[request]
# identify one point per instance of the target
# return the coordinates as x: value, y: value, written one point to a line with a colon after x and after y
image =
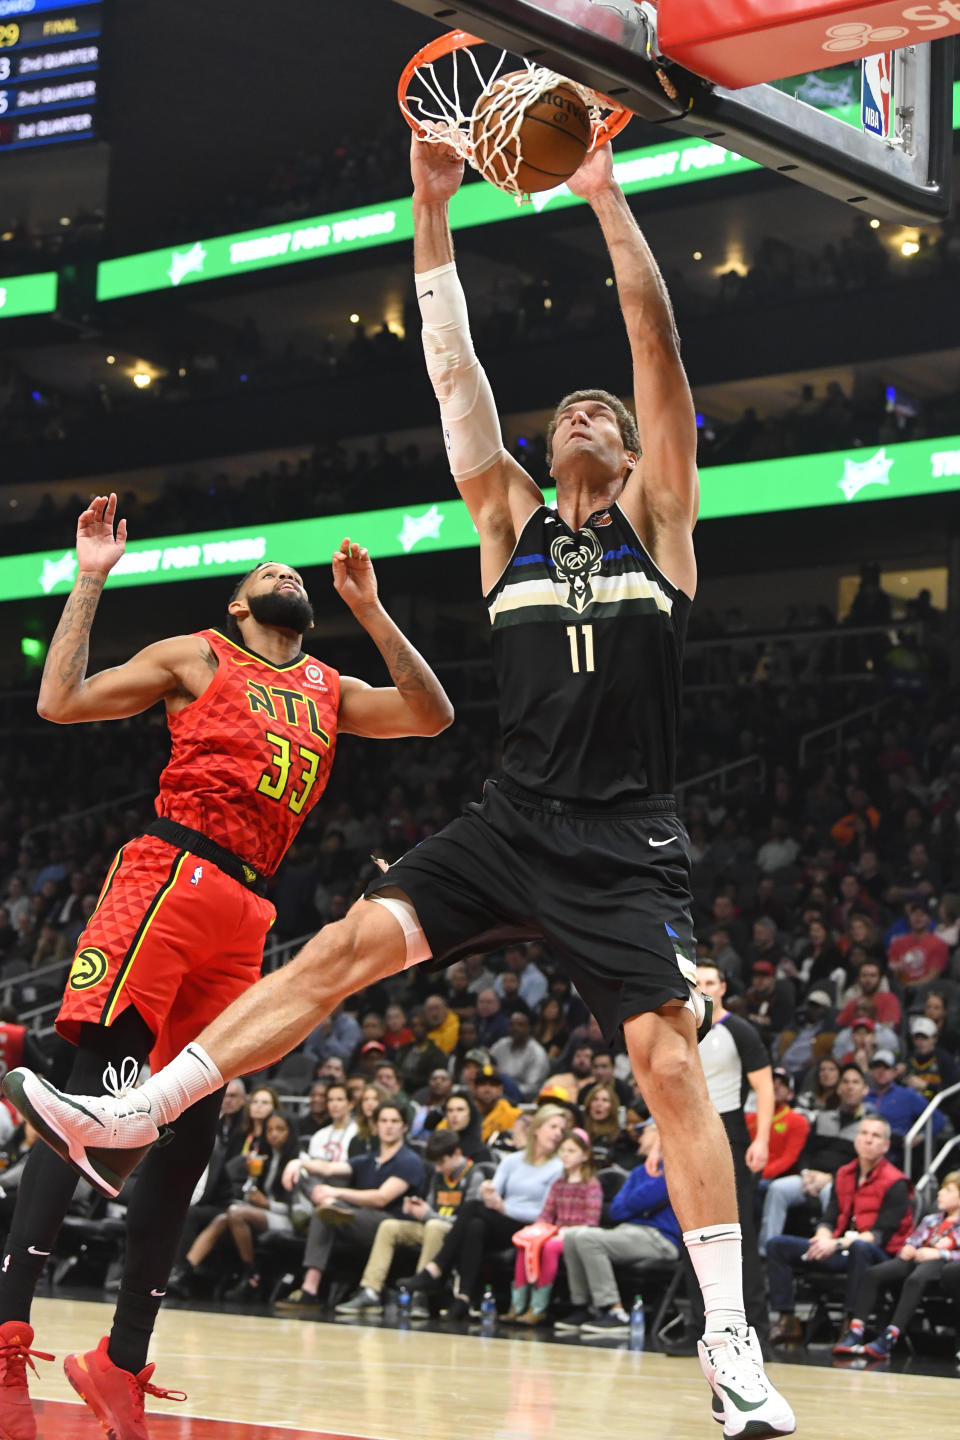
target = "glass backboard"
x: 808, y: 128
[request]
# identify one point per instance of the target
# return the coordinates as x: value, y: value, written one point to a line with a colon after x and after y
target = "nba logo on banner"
x: 876, y: 94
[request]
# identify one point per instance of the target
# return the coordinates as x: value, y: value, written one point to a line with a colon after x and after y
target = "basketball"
x: 549, y: 144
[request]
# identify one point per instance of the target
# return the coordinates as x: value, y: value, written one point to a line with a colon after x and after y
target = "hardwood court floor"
x: 256, y: 1378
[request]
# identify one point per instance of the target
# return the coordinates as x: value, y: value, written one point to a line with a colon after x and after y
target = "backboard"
x: 612, y: 46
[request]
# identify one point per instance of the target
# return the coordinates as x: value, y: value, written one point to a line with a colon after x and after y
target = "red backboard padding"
x: 745, y: 42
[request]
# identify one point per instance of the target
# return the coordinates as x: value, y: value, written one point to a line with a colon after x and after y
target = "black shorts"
x: 608, y: 893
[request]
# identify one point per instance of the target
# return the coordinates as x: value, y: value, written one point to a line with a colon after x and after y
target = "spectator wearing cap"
x: 858, y: 1041
x: 553, y: 1094
x: 424, y: 1223
x: 871, y: 983
x: 644, y: 1227
x: 521, y: 1057
x: 830, y: 1144
x: 443, y: 1024
x: 368, y: 1057
x: 769, y: 1001
x: 919, y: 956
x: 867, y: 1221
x: 929, y: 1068
x: 898, y: 1104
x: 532, y: 984
x: 492, y: 1024
x: 798, y: 1049
x: 497, y: 1115
x: 788, y: 1128
x: 421, y: 1057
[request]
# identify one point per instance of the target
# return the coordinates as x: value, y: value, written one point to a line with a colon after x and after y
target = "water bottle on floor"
x: 404, y: 1299
x: 488, y: 1313
x: 638, y: 1325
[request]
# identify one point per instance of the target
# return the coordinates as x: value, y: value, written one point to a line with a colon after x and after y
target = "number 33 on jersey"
x: 251, y: 756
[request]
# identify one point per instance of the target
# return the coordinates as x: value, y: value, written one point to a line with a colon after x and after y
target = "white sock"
x: 189, y: 1077
x: 715, y: 1253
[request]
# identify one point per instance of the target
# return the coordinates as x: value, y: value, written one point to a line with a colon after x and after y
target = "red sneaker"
x: 17, y: 1420
x: 114, y: 1395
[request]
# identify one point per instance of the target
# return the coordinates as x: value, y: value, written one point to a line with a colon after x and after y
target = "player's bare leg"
x: 662, y: 1045
x: 259, y: 1028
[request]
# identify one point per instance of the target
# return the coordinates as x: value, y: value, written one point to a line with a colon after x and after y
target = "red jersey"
x: 251, y: 756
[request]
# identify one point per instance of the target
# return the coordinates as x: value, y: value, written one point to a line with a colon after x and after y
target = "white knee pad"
x: 403, y: 912
x: 471, y: 426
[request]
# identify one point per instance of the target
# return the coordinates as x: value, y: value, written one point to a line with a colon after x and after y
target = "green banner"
x: 917, y: 467
x: 28, y: 295
x: 656, y: 166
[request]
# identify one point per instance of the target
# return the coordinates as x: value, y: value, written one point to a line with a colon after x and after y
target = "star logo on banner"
x: 186, y: 262
x: 858, y: 473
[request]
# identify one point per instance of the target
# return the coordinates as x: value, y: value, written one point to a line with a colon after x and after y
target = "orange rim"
x: 603, y: 130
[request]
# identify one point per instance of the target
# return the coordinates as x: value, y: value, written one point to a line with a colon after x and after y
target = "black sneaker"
x: 575, y: 1320
x: 610, y: 1322
x: 299, y: 1302
x: 423, y: 1281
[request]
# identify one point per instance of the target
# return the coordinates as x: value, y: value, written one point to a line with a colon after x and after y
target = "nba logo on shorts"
x: 195, y: 877
x: 876, y: 93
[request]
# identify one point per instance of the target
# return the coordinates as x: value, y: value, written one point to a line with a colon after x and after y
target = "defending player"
x: 580, y: 841
x: 179, y: 927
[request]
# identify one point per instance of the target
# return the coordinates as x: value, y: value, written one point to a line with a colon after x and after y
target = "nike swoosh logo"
x: 32, y: 1250
x: 662, y: 842
x: 426, y: 294
x: 724, y: 1235
x: 741, y: 1404
x: 158, y: 1294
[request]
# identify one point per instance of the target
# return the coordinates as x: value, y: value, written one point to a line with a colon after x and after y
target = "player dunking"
x: 179, y: 927
x: 580, y: 841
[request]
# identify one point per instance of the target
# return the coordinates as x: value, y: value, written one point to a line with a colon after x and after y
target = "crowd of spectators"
x: 329, y: 479
x: 830, y: 900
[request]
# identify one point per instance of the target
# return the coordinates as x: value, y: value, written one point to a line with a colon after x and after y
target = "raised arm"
x: 159, y: 672
x: 416, y: 703
x: 498, y: 492
x: 661, y: 497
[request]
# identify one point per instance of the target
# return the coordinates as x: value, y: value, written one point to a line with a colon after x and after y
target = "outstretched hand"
x: 353, y: 575
x: 595, y: 173
x: 437, y: 171
x: 98, y: 548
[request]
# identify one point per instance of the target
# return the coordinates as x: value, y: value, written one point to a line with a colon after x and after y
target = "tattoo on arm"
x: 70, y: 647
x: 407, y: 670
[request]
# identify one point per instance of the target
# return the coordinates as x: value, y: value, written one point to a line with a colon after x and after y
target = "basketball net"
x: 434, y: 93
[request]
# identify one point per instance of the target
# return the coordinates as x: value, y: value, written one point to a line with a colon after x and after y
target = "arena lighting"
x: 698, y: 254
x: 354, y: 318
x: 111, y: 359
x: 909, y: 247
x: 142, y: 379
x: 874, y: 224
x: 838, y: 478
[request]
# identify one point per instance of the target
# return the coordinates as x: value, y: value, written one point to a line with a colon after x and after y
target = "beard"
x: 282, y: 609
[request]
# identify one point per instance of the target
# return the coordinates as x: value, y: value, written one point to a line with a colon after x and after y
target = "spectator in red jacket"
x: 919, y: 955
x: 788, y: 1130
x: 867, y: 1221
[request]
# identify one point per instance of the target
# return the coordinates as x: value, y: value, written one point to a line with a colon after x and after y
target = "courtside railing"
x: 923, y: 1125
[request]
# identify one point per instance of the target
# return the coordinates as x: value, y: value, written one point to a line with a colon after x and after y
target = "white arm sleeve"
x: 471, y: 427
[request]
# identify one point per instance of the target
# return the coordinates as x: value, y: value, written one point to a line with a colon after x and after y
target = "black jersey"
x: 587, y: 651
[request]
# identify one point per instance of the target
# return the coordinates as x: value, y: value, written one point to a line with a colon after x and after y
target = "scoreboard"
x: 49, y: 72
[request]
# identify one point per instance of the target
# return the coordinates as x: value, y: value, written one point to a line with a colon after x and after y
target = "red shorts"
x: 172, y: 935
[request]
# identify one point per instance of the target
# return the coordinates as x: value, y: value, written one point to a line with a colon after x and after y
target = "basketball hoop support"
x: 613, y: 47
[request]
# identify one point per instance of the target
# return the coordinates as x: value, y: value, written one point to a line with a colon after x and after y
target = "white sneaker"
x: 104, y: 1137
x: 699, y: 1004
x: 743, y: 1398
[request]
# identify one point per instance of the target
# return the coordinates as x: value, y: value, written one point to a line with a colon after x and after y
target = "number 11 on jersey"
x: 586, y: 634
